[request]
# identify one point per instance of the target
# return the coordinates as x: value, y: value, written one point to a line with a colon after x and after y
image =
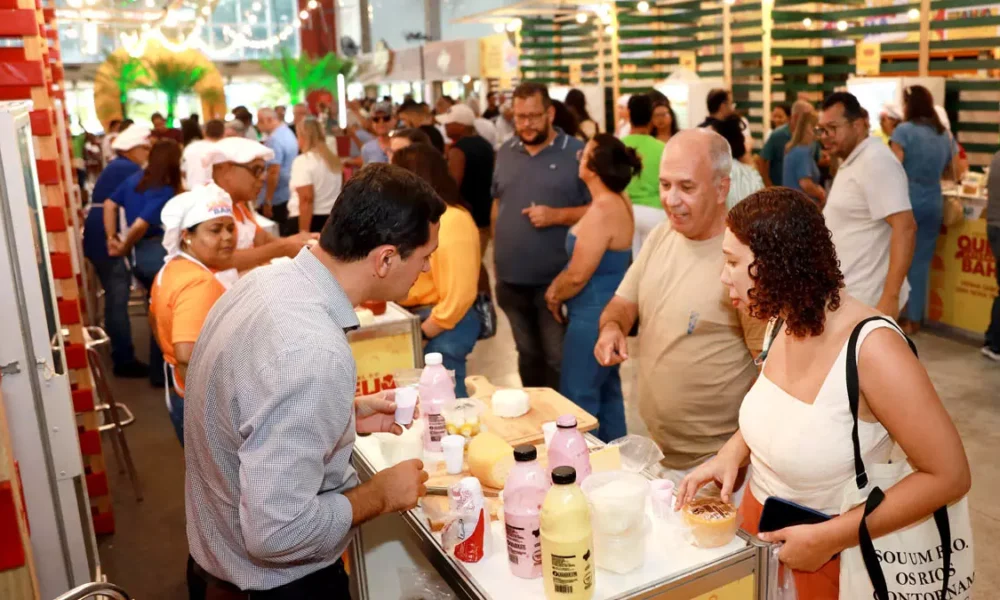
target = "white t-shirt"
x: 311, y: 169
x: 196, y: 172
x: 869, y: 187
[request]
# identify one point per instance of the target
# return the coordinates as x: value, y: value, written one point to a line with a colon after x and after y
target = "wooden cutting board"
x: 546, y: 405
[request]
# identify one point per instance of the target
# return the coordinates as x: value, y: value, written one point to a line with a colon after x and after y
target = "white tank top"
x: 803, y: 452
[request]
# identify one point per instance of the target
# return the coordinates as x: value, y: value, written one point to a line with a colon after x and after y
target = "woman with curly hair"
x: 795, y: 423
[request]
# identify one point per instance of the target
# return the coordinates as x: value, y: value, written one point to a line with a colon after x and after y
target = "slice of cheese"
x: 608, y: 458
x: 490, y: 459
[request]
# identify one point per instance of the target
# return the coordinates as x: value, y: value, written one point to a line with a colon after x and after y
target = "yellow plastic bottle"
x: 567, y: 540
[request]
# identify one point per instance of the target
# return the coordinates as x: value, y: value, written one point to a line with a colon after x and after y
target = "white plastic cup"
x: 406, y: 401
x: 549, y: 430
x: 453, y: 447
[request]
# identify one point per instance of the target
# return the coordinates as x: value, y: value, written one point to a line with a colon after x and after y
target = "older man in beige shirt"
x: 695, y: 349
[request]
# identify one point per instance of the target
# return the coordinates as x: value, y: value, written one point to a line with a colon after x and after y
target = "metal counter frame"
x: 753, y: 560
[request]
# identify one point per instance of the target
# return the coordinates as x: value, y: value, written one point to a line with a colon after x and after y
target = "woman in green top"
x: 644, y: 190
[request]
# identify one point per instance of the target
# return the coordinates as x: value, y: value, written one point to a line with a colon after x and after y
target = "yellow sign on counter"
x: 963, y: 278
x: 378, y: 358
x: 742, y: 589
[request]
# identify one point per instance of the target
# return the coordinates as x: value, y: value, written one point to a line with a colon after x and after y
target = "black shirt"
x: 437, y: 140
x: 491, y: 113
x: 478, y: 177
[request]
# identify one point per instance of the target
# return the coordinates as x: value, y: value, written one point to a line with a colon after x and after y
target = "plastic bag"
x: 638, y: 452
x: 415, y: 584
x: 782, y: 583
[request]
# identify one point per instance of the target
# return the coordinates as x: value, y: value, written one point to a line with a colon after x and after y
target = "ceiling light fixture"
x: 807, y: 22
x: 581, y: 18
x: 643, y: 6
x: 841, y: 25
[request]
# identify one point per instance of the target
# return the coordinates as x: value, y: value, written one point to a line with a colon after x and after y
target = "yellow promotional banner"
x: 378, y: 358
x: 689, y: 61
x: 742, y: 589
x: 497, y: 57
x: 963, y: 278
x: 868, y: 58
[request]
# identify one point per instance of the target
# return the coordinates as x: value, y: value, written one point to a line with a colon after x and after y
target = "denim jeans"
x: 928, y: 217
x: 149, y: 256
x: 176, y: 412
x: 993, y: 333
x: 116, y: 279
x: 537, y: 335
x: 595, y: 389
x: 455, y: 345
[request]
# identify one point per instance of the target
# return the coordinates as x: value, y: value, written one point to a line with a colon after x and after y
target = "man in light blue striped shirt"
x: 270, y: 412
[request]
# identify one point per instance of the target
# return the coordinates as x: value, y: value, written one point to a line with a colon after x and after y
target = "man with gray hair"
x: 235, y: 128
x: 695, y: 348
x: 771, y: 161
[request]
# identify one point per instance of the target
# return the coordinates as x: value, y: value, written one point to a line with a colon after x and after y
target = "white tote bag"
x: 931, y: 559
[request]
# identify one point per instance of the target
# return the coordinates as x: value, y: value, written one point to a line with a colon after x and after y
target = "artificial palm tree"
x: 174, y: 77
x: 303, y: 74
x: 122, y: 73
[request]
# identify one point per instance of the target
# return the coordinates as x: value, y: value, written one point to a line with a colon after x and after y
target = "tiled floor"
x: 147, y: 554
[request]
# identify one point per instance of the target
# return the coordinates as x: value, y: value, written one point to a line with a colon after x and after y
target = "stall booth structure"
x: 402, y: 556
x: 455, y: 66
x: 874, y: 92
x: 963, y: 280
x: 688, y: 94
x: 394, y: 73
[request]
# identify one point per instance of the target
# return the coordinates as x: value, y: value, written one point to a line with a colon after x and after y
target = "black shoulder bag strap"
x: 876, y: 496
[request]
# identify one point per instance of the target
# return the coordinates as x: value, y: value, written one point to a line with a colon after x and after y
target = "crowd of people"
x: 740, y: 281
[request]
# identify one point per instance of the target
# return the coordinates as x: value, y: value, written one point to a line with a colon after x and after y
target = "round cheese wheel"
x: 510, y: 404
x: 711, y: 521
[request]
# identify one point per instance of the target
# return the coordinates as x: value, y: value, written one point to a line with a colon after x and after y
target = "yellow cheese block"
x: 490, y: 459
x: 608, y: 458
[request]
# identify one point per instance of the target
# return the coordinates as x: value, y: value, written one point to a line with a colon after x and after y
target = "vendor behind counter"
x: 199, y: 241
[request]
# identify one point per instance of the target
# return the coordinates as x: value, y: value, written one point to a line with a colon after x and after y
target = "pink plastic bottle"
x: 569, y: 449
x: 522, y: 505
x: 437, y: 391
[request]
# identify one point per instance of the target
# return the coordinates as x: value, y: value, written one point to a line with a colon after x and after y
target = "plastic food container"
x: 462, y: 417
x: 711, y: 522
x: 617, y: 502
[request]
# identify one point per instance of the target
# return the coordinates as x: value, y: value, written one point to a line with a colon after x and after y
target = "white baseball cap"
x: 892, y: 110
x: 237, y: 150
x: 188, y: 209
x: 135, y: 135
x: 459, y: 113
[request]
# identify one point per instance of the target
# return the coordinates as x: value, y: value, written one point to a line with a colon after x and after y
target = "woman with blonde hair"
x: 800, y: 171
x: 317, y: 176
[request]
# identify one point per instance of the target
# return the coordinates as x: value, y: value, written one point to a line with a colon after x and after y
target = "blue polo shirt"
x: 145, y: 205
x: 286, y: 147
x: 94, y: 245
x: 526, y: 255
x: 372, y: 152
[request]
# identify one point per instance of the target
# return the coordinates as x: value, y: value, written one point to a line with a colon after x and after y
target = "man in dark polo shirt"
x: 539, y: 195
